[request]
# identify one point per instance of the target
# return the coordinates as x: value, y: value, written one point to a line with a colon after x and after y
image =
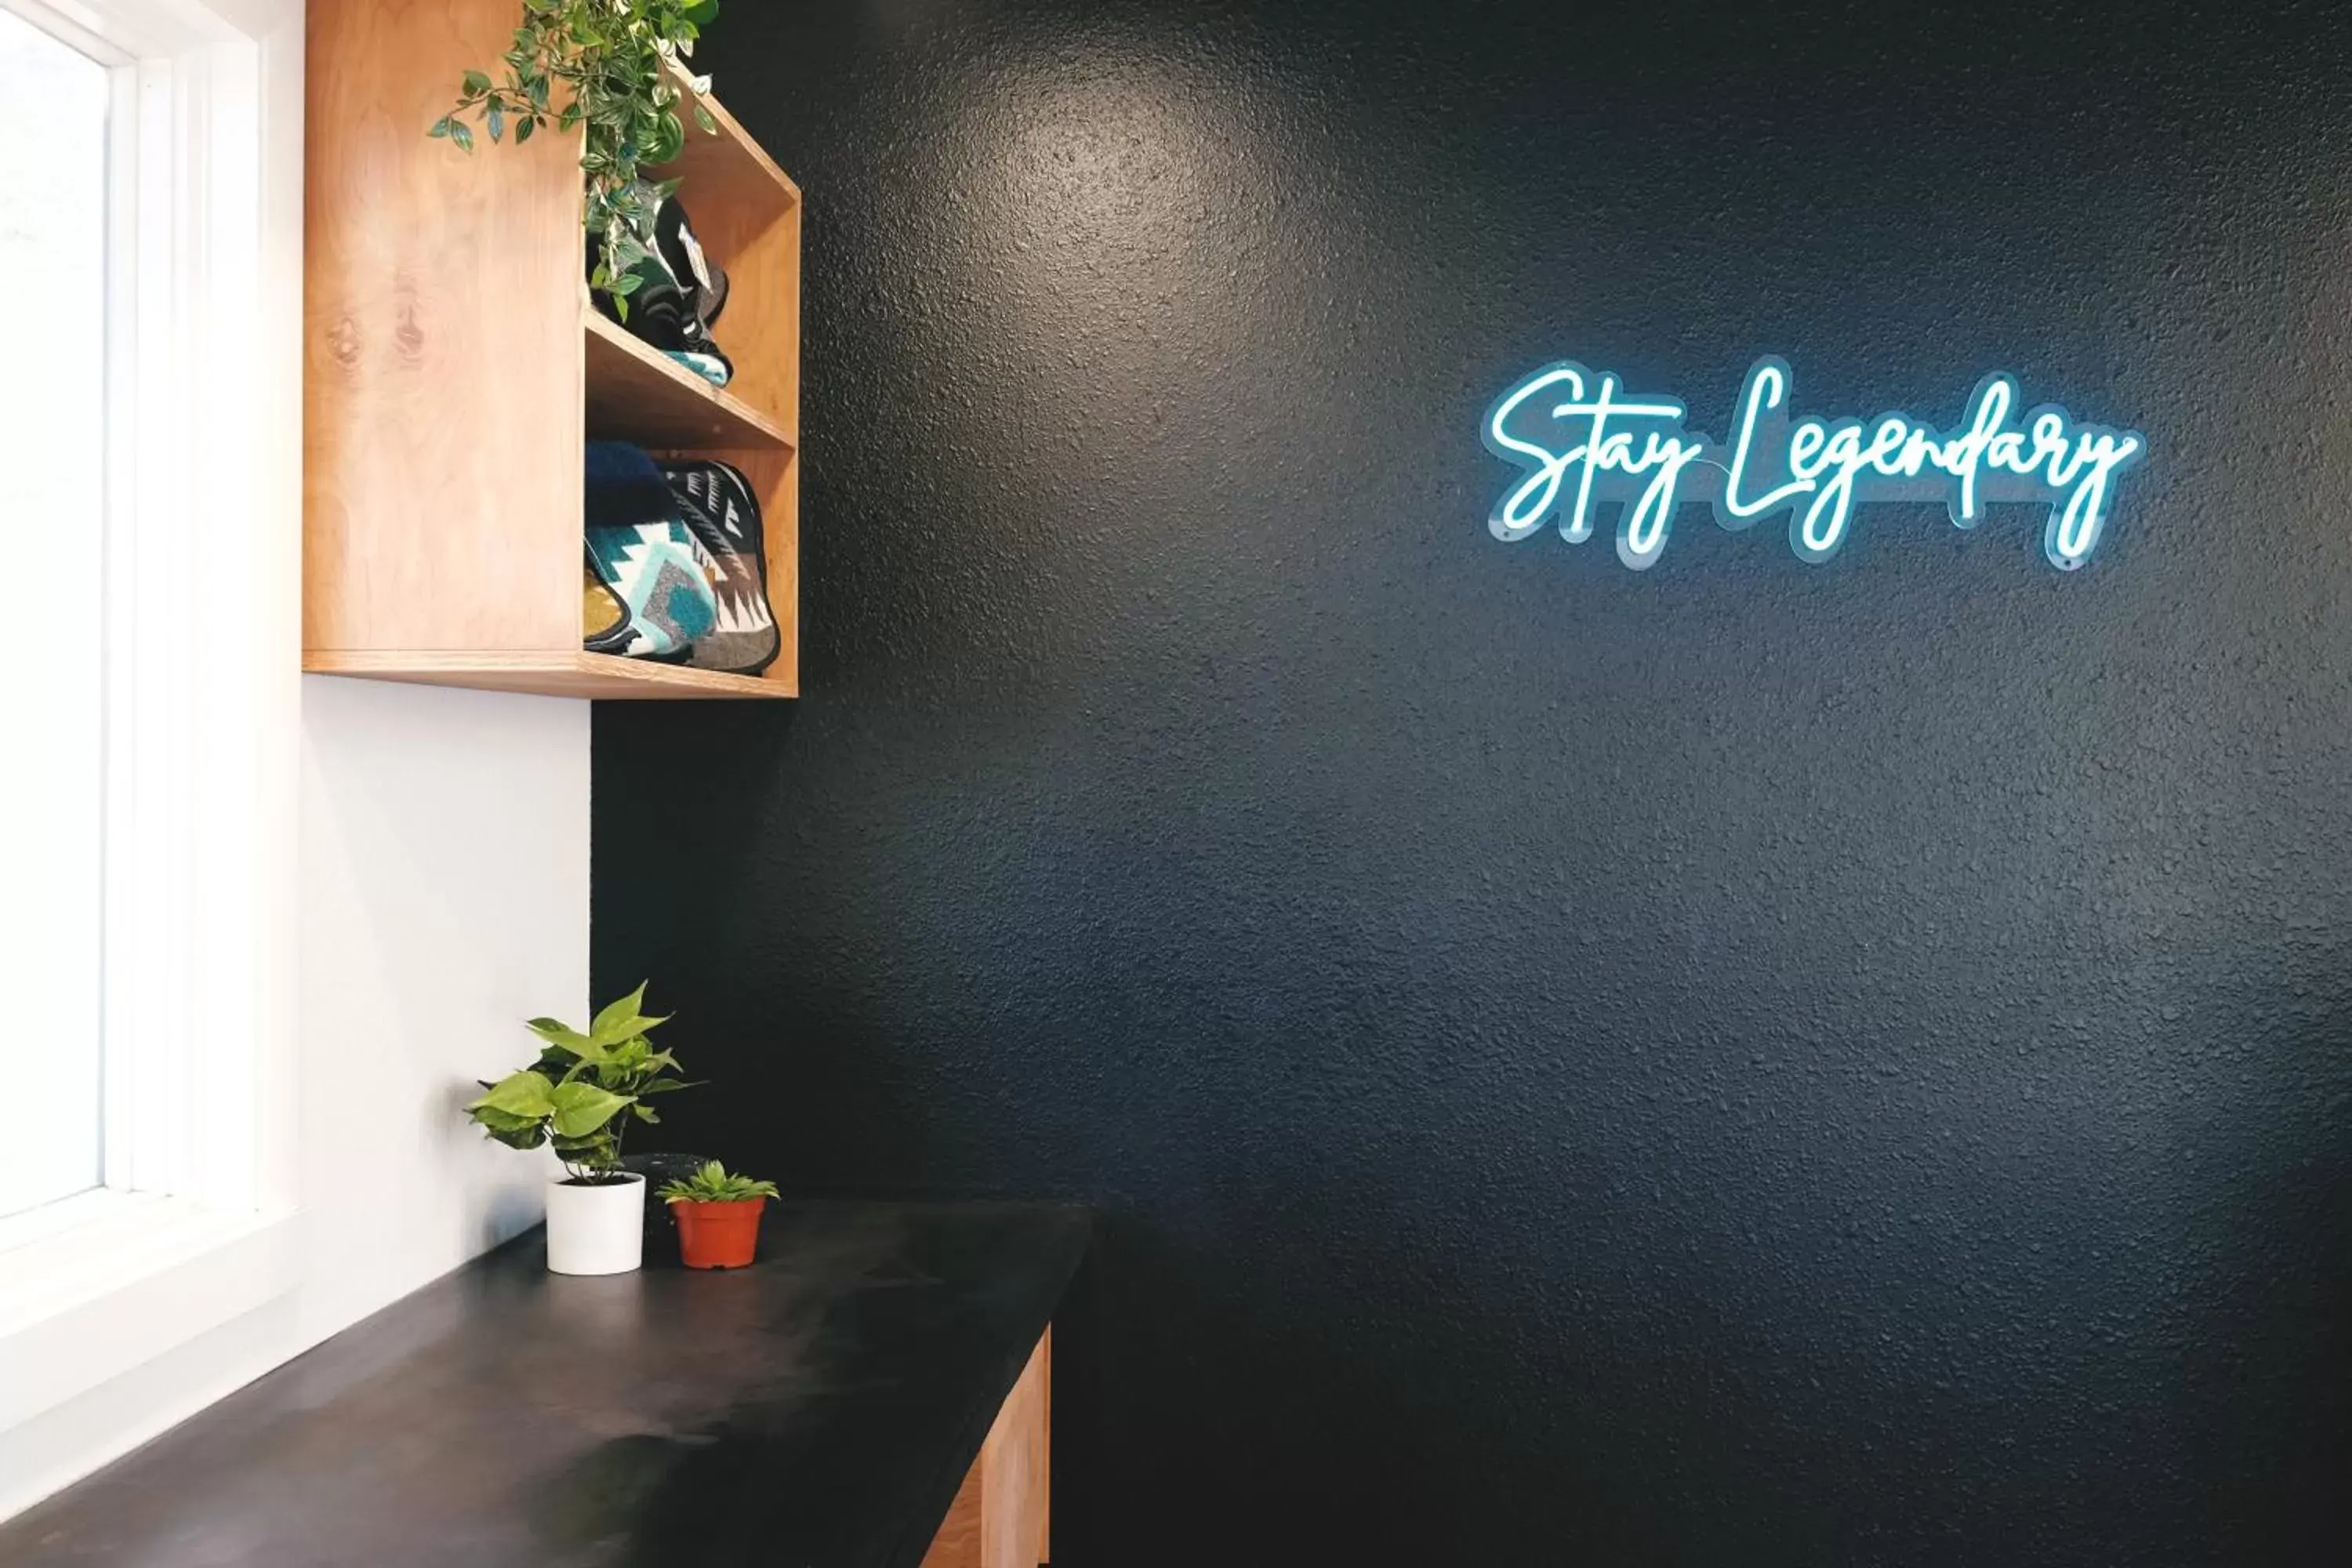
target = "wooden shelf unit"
x: 453, y: 371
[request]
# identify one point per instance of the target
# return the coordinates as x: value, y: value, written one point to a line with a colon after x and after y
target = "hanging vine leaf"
x: 611, y: 59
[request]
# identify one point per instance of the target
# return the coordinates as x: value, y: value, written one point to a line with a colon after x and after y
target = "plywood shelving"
x: 637, y: 393
x: 455, y: 369
x: 574, y: 674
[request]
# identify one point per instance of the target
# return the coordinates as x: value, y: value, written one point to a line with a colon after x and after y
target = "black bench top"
x: 816, y: 1410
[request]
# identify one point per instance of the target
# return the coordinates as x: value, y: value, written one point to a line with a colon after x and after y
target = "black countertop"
x: 816, y: 1410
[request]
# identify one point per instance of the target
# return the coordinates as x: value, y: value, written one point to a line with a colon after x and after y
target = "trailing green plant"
x: 714, y: 1183
x: 585, y: 1089
x: 608, y: 57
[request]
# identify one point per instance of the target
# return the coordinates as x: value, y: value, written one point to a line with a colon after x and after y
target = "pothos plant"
x: 585, y: 1089
x: 608, y: 58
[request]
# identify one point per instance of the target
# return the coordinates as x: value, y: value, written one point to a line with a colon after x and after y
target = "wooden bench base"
x: 999, y: 1516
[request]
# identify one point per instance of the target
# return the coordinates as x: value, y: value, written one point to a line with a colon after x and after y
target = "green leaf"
x: 497, y: 118
x: 622, y: 1020
x: 609, y: 1021
x: 702, y: 13
x: 524, y: 1093
x: 440, y: 127
x: 703, y: 118
x: 475, y: 82
x: 499, y: 1120
x: 556, y: 1062
x: 624, y: 1060
x: 563, y: 1034
x: 523, y: 128
x: 668, y: 139
x: 583, y: 1108
x: 460, y: 135
x: 713, y: 1184
x: 626, y: 248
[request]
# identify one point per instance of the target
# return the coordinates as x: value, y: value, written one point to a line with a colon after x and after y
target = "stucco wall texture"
x: 1744, y: 1062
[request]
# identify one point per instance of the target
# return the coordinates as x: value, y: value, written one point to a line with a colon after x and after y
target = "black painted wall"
x: 1747, y: 1063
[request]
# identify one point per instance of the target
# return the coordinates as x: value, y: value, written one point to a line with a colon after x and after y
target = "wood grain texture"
x: 730, y: 167
x: 1046, y: 1471
x: 761, y: 327
x: 999, y: 1518
x: 442, y: 349
x: 637, y: 392
x: 557, y: 673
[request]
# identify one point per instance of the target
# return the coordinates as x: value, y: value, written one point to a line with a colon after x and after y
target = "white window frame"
x: 196, y: 1223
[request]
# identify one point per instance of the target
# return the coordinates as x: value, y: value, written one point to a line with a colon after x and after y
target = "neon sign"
x: 1585, y: 442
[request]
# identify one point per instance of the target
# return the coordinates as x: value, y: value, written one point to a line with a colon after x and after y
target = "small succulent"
x: 715, y: 1184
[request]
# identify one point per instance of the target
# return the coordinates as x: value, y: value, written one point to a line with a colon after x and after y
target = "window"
x: 150, y: 504
x: 53, y: 245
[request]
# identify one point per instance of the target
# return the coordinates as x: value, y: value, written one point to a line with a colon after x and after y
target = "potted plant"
x: 718, y: 1216
x: 579, y: 1098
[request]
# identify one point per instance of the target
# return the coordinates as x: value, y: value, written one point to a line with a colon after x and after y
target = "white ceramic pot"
x: 598, y: 1229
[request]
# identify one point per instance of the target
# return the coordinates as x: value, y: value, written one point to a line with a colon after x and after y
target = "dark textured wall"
x: 1744, y: 1063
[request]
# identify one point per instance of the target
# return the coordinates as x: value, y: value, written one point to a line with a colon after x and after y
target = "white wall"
x: 444, y: 898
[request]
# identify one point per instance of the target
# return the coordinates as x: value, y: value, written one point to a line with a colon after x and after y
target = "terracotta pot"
x: 717, y: 1236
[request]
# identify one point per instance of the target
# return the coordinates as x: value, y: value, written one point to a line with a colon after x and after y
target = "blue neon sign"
x: 1585, y: 442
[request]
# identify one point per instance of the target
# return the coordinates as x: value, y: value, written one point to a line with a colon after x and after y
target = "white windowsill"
x: 60, y: 1215
x: 121, y: 1278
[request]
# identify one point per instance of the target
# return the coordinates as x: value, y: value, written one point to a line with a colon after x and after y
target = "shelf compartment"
x: 733, y: 170
x: 747, y: 217
x: 637, y: 392
x: 556, y: 673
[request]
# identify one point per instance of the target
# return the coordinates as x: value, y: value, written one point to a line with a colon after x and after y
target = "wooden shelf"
x: 729, y: 169
x: 553, y: 674
x: 453, y: 371
x: 637, y: 392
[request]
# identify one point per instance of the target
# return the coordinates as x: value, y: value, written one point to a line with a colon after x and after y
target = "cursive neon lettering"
x: 1634, y: 454
x: 1766, y: 388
